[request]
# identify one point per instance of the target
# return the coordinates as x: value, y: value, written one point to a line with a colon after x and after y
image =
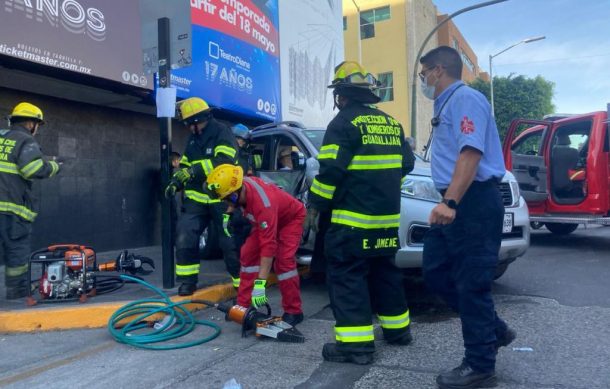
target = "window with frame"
x: 369, y: 18
x: 344, y: 23
x: 467, y: 61
x: 386, y: 90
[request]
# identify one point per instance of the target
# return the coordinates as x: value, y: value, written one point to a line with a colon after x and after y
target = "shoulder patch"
x: 264, y: 225
x: 467, y: 126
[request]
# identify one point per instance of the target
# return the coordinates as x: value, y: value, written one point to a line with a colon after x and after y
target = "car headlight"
x: 421, y: 189
x: 514, y: 190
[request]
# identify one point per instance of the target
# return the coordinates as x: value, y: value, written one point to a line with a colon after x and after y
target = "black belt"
x: 492, y: 182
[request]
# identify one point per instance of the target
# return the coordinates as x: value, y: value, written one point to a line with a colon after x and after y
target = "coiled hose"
x: 178, y: 321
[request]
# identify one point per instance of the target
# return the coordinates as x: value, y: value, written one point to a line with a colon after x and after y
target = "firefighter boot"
x: 292, y: 318
x: 404, y: 340
x: 187, y: 289
x: 506, y: 338
x: 463, y: 377
x: 331, y: 353
x: 16, y: 287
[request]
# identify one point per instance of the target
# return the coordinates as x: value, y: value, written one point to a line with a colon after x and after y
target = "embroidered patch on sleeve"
x: 264, y: 225
x: 467, y: 126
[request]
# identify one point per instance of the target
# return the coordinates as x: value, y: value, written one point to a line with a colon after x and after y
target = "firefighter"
x: 210, y: 144
x: 277, y: 226
x: 249, y: 162
x: 362, y: 161
x: 21, y: 161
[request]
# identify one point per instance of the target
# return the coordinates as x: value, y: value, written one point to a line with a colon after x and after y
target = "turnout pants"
x: 191, y: 224
x: 459, y: 264
x: 360, y: 285
x: 284, y: 266
x: 15, y: 235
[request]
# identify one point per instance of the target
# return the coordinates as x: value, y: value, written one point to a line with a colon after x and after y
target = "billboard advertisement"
x: 311, y: 46
x: 92, y: 37
x: 236, y: 60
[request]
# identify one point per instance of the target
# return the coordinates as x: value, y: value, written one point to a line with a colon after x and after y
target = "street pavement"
x: 563, y: 339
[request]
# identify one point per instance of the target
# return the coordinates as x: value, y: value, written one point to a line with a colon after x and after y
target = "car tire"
x: 561, y: 228
x: 501, y: 269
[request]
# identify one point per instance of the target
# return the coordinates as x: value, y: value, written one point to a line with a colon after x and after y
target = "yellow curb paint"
x: 96, y: 315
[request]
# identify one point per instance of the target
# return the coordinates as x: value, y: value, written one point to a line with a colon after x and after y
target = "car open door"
x: 524, y: 156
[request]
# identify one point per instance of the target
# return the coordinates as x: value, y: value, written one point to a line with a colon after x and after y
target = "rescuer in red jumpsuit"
x: 277, y: 226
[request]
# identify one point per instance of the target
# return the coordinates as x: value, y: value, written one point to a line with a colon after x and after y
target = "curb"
x: 97, y: 315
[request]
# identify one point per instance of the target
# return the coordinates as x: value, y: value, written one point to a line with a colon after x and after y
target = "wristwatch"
x: 450, y: 203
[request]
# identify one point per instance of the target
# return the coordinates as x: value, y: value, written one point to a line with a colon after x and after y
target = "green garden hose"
x: 138, y: 332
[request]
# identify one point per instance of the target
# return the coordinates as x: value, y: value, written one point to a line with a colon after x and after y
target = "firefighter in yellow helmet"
x: 211, y: 144
x: 21, y: 162
x: 277, y: 226
x: 363, y: 159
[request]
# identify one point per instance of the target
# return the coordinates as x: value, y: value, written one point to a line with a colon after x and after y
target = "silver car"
x: 418, y: 193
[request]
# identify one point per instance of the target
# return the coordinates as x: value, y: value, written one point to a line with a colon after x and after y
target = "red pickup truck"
x: 562, y: 165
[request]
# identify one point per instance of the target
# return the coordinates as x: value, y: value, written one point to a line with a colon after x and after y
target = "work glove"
x: 172, y: 188
x: 312, y: 219
x: 183, y: 175
x: 226, y: 224
x: 259, y: 298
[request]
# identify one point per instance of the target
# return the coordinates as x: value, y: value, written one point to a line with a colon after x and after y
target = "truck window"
x: 529, y: 143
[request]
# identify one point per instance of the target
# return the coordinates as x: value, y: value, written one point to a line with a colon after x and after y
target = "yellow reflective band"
x: 187, y: 270
x: 395, y: 322
x: 31, y: 168
x: 16, y: 271
x: 258, y: 161
x: 7, y: 167
x: 328, y: 152
x: 322, y: 190
x: 54, y: 168
x: 230, y: 151
x: 184, y: 161
x: 374, y: 162
x: 18, y: 210
x: 200, y: 197
x: 207, y: 165
x: 354, y: 334
x: 360, y: 220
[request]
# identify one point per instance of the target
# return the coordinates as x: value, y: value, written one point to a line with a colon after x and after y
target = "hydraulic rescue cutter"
x: 259, y: 323
x: 70, y: 272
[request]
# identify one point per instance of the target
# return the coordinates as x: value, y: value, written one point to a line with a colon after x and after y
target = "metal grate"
x: 507, y: 195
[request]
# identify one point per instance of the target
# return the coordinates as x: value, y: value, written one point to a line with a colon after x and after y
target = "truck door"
x: 524, y: 155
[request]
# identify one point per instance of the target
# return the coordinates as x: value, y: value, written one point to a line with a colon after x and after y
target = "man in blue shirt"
x: 462, y: 245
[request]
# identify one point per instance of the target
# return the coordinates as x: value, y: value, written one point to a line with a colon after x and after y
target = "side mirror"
x: 298, y: 160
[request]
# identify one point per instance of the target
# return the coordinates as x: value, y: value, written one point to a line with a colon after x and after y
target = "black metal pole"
x: 165, y: 127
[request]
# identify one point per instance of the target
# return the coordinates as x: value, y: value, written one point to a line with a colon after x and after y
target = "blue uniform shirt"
x: 465, y: 121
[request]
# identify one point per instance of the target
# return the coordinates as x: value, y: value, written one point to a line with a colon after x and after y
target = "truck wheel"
x: 501, y: 269
x: 560, y: 228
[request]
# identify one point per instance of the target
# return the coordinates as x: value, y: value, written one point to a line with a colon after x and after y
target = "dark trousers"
x: 191, y: 223
x: 359, y: 286
x: 15, y: 236
x: 459, y: 264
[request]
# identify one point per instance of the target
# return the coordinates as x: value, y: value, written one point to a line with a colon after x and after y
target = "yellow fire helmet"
x: 193, y: 110
x: 27, y: 110
x: 225, y: 179
x: 351, y: 73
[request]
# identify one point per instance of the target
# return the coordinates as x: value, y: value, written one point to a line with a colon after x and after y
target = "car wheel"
x: 560, y: 228
x: 501, y: 269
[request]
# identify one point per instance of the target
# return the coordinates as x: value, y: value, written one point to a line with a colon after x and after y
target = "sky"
x: 575, y: 54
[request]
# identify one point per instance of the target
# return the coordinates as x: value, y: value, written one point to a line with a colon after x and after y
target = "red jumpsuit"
x: 277, y: 226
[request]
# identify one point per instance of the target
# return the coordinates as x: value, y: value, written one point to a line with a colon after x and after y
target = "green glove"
x: 170, y: 189
x: 183, y: 175
x: 226, y: 224
x: 259, y: 298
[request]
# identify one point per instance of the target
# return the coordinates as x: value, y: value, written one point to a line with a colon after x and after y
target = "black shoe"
x: 506, y: 338
x: 463, y: 377
x: 404, y: 340
x: 292, y: 318
x: 332, y: 354
x: 187, y: 289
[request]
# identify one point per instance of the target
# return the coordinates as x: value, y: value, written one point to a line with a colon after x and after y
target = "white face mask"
x: 427, y: 90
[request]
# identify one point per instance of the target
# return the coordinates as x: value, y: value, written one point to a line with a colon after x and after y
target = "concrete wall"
x: 107, y: 194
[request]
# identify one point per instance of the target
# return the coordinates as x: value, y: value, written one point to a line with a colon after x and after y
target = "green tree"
x: 518, y: 97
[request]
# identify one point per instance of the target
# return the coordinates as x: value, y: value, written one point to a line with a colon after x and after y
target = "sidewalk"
x: 16, y: 316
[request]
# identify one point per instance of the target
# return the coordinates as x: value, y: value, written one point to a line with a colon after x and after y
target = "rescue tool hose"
x: 129, y: 323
